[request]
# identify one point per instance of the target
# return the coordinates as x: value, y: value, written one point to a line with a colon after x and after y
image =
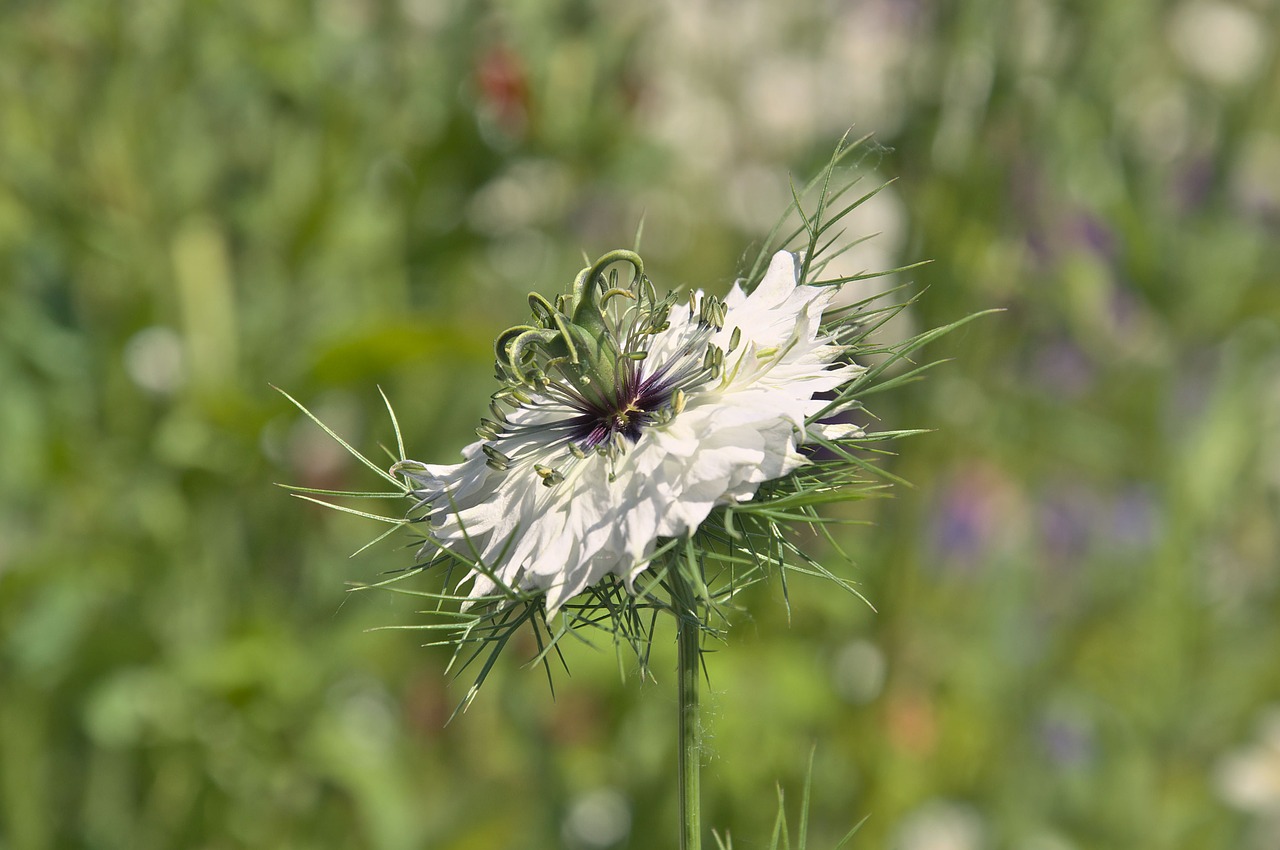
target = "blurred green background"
x: 1077, y: 642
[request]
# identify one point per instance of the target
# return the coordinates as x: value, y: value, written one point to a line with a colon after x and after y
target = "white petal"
x: 837, y: 431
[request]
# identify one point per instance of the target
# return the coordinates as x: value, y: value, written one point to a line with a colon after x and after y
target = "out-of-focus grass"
x: 1077, y: 620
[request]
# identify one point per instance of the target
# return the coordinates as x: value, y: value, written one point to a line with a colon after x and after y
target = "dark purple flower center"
x: 625, y: 411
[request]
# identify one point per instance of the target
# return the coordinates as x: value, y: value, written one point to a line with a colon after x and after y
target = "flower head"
x: 625, y: 419
x: 650, y: 454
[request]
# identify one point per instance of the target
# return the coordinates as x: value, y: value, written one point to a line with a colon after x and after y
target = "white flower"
x: 630, y: 424
x: 1249, y: 778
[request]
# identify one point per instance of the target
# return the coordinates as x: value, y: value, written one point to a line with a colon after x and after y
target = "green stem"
x: 690, y: 732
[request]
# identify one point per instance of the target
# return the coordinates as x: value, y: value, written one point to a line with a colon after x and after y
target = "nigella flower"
x: 648, y: 454
x: 624, y: 420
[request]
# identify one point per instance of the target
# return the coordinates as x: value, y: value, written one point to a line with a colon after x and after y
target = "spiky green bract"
x: 746, y: 537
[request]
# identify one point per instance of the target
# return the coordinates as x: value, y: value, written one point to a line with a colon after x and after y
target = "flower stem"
x: 690, y: 731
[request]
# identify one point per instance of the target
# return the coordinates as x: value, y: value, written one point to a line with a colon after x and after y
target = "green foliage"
x: 1076, y: 605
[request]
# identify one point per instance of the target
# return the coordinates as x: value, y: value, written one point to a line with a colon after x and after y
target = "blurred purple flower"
x: 1134, y: 519
x: 1067, y: 738
x: 1091, y: 231
x: 978, y: 511
x: 1074, y: 518
x: 1052, y: 234
x: 1062, y: 368
x: 1068, y: 520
